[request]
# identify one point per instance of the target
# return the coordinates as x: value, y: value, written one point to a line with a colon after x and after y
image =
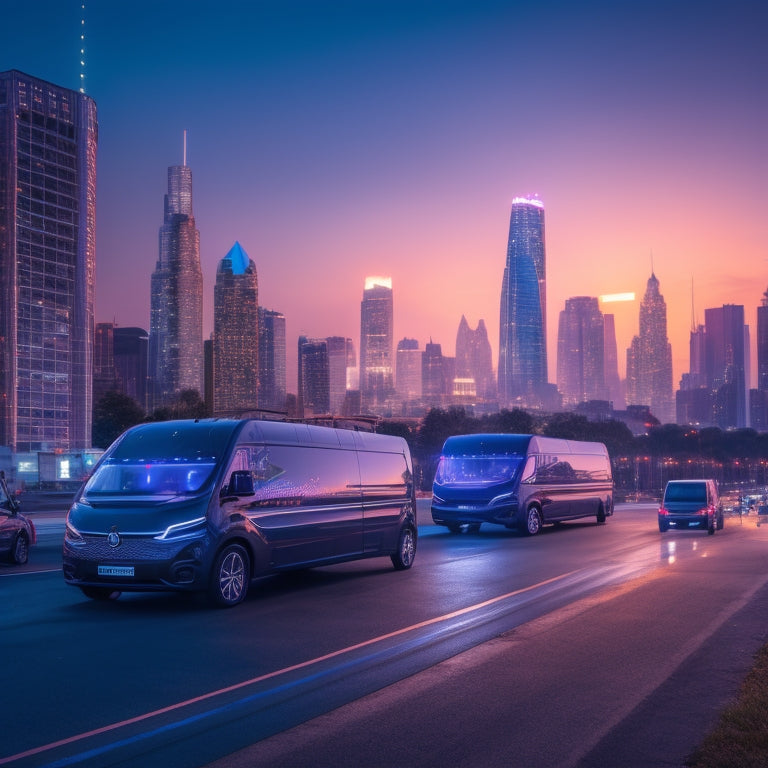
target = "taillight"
x: 663, y: 511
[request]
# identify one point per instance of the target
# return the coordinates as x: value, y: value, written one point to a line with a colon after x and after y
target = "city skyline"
x: 391, y: 139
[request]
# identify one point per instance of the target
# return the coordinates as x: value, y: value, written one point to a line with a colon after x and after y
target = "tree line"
x: 640, y: 462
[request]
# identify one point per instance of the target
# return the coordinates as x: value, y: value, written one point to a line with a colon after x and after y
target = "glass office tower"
x: 271, y: 360
x: 522, y: 374
x: 176, y: 312
x: 48, y: 139
x: 376, y: 343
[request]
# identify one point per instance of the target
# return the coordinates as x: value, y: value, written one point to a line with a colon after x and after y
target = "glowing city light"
x: 371, y: 282
x: 611, y: 297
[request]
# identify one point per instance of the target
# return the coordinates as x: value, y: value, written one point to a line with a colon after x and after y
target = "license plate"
x: 115, y: 570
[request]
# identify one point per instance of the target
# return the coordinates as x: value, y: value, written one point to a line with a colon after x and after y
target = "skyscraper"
x: 408, y: 370
x: 131, y: 350
x: 376, y: 343
x: 432, y: 375
x: 762, y: 344
x: 649, y: 359
x: 48, y: 139
x: 271, y: 360
x: 611, y: 367
x: 341, y: 356
x: 581, y: 351
x: 522, y: 374
x: 176, y: 312
x: 314, y: 377
x: 726, y: 351
x: 473, y: 358
x: 235, y: 335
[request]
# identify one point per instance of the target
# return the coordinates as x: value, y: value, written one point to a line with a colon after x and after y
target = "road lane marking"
x: 271, y: 675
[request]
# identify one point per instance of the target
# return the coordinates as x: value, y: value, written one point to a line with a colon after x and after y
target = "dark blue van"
x: 208, y: 505
x: 520, y: 481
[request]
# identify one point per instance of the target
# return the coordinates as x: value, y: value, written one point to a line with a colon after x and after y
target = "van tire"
x: 406, y: 549
x: 533, y: 521
x: 601, y: 514
x: 230, y: 576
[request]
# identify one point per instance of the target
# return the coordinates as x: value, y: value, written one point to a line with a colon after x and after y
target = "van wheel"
x: 230, y: 576
x: 601, y: 514
x: 663, y: 526
x: 473, y: 527
x: 533, y: 521
x: 711, y: 528
x: 406, y: 549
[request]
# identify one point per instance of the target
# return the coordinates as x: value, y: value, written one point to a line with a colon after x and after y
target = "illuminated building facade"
x: 314, y: 377
x: 649, y: 358
x: 581, y: 351
x: 48, y: 141
x: 235, y: 335
x: 522, y: 374
x: 176, y: 310
x: 341, y: 357
x: 376, y: 343
x: 408, y: 370
x: 271, y: 360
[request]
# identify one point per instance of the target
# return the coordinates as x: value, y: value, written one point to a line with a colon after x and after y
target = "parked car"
x: 17, y: 532
x: 688, y: 503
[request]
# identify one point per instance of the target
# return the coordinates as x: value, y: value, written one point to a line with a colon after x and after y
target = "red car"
x: 17, y: 532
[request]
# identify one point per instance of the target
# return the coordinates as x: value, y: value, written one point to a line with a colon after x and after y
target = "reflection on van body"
x: 211, y: 504
x: 520, y: 481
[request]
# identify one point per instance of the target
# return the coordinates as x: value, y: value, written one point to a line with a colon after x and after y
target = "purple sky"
x: 339, y: 140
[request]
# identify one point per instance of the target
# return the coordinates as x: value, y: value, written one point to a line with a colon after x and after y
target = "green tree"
x: 112, y: 415
x: 187, y: 405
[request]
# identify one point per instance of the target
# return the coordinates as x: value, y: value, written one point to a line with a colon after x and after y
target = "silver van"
x: 520, y: 481
x: 208, y: 505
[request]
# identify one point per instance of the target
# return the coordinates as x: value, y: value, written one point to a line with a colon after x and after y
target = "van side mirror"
x: 241, y: 483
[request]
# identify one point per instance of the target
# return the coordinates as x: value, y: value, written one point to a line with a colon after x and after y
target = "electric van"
x: 520, y: 481
x: 209, y: 505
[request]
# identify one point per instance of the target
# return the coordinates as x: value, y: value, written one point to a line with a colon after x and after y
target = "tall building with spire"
x: 235, y: 335
x: 522, y: 374
x: 376, y: 343
x: 48, y: 141
x: 176, y: 309
x: 649, y: 358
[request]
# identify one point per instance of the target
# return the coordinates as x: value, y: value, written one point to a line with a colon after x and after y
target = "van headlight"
x: 72, y: 535
x: 187, y: 530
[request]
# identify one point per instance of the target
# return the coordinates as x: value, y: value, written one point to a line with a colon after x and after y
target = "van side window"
x: 297, y: 475
x: 384, y: 476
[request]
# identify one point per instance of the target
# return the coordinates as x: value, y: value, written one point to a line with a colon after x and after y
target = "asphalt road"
x: 585, y: 646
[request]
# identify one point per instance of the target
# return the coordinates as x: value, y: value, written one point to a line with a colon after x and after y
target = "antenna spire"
x: 82, y: 47
x: 185, y: 148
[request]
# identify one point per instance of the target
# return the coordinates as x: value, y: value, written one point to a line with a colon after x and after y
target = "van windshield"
x: 160, y: 461
x: 476, y: 470
x: 691, y: 492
